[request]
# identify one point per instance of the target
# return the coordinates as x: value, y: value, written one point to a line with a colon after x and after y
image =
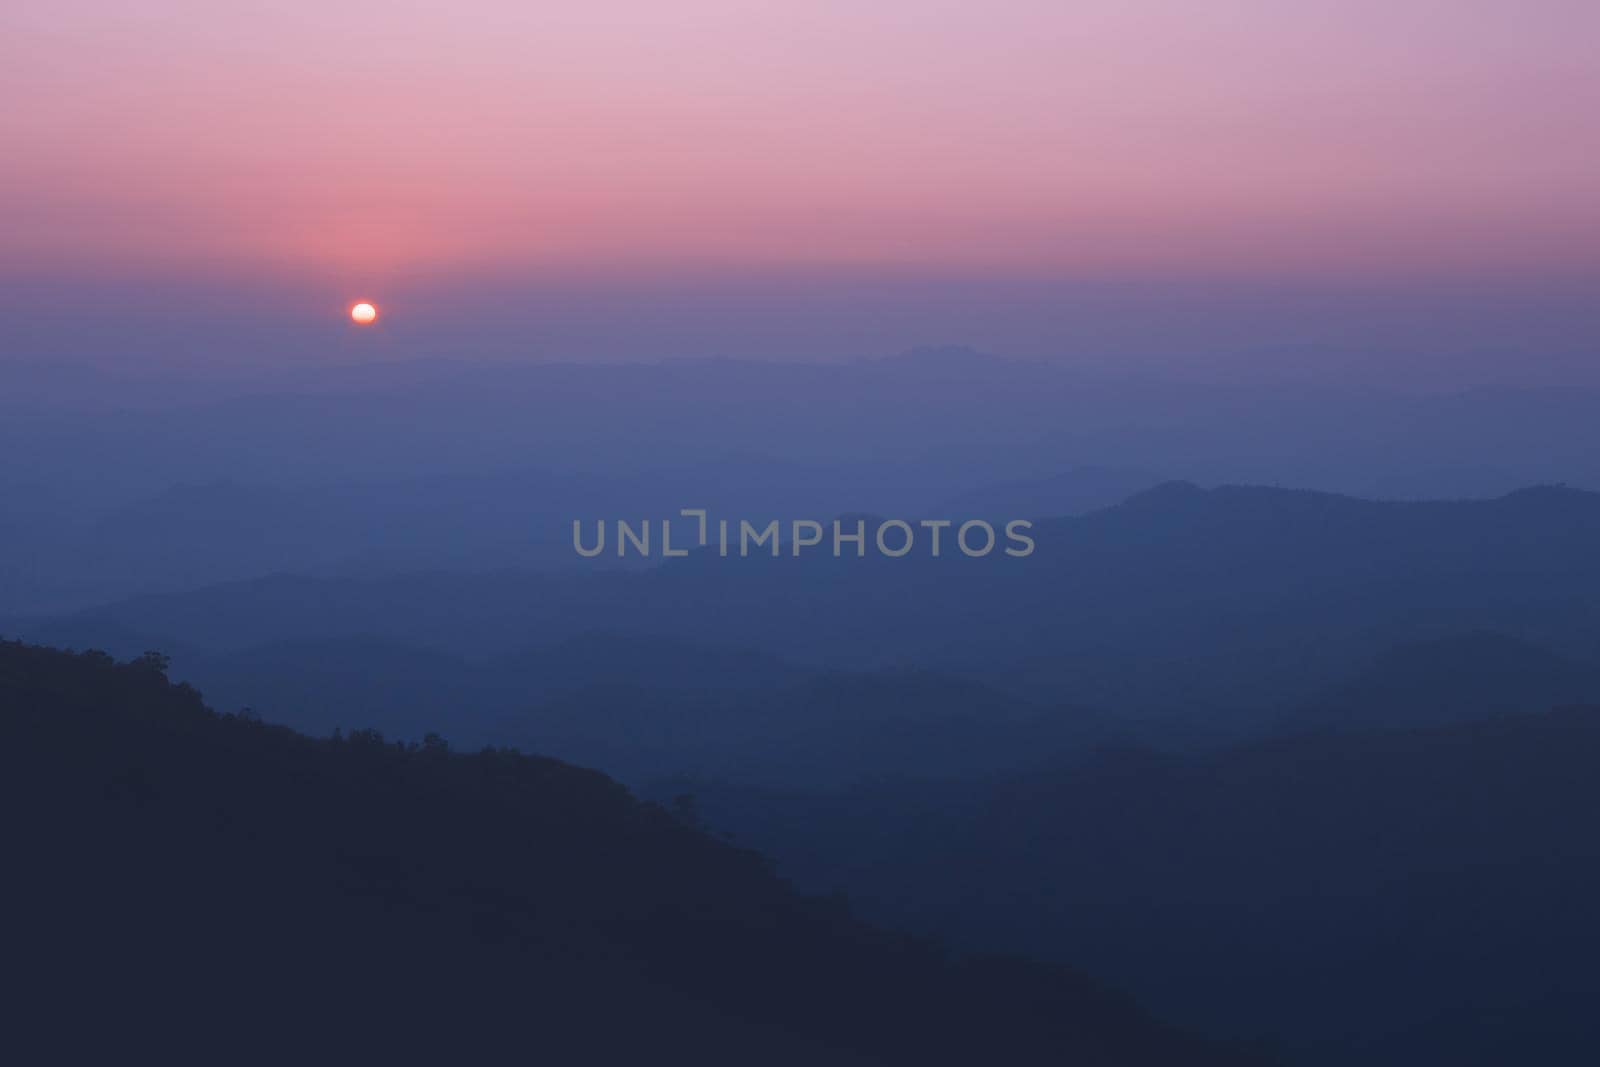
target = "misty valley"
x: 856, y: 533
x: 1234, y: 774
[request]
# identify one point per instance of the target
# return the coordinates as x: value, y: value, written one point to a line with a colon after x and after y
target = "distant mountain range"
x: 113, y: 488
x: 1217, y: 608
x: 60, y: 554
x: 1072, y: 492
x: 970, y: 417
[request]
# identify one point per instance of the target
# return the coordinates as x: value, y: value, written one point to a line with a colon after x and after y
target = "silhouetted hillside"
x: 1395, y: 898
x: 184, y: 882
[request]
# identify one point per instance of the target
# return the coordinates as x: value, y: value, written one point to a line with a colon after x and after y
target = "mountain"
x: 1363, y: 896
x: 1456, y: 679
x: 57, y: 553
x: 198, y: 882
x: 644, y: 707
x: 1220, y: 606
x: 823, y: 730
x: 949, y: 410
x: 312, y: 466
x: 1072, y: 492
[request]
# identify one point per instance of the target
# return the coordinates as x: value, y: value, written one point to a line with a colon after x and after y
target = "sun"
x: 364, y: 314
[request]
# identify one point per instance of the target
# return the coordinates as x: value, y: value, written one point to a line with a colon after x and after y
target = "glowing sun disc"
x: 364, y: 314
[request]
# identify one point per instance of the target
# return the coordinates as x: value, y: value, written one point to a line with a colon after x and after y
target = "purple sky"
x: 1163, y: 184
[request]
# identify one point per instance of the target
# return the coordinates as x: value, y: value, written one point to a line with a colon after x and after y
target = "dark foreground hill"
x: 183, y: 883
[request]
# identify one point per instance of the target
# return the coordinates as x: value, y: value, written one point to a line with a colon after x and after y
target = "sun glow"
x: 364, y: 314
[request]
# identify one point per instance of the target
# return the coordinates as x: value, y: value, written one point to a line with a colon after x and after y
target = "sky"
x: 559, y: 176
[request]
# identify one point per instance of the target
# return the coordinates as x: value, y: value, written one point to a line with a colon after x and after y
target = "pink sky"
x: 1234, y: 138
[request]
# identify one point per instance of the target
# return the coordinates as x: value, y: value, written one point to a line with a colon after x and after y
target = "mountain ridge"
x: 492, y: 900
